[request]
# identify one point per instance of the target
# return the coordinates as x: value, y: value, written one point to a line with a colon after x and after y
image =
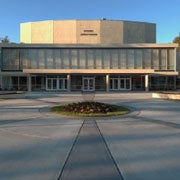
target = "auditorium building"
x: 88, y: 55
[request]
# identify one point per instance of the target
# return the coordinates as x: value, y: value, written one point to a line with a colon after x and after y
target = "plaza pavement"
x: 37, y: 144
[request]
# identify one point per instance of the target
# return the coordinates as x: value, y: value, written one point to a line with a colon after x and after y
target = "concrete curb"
x: 174, y: 96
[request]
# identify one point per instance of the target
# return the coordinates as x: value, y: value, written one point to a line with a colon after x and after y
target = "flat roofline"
x: 138, y: 45
x: 103, y: 19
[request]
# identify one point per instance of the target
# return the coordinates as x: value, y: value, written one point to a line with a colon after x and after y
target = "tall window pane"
x: 114, y: 59
x: 138, y: 59
x: 90, y: 59
x: 164, y: 59
x: 49, y: 58
x: 147, y: 58
x: 155, y: 59
x: 41, y: 58
x: 57, y: 59
x: 65, y: 58
x: 122, y: 58
x: 106, y: 59
x: 24, y: 58
x: 33, y: 58
x: 98, y: 57
x: 130, y: 61
x: 82, y: 58
x: 171, y: 60
x: 74, y: 62
x: 11, y: 59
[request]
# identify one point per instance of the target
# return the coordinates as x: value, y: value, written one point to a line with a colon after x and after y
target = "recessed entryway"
x: 56, y: 83
x: 120, y: 83
x: 88, y: 84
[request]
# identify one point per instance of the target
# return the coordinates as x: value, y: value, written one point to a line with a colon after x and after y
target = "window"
x: 11, y: 59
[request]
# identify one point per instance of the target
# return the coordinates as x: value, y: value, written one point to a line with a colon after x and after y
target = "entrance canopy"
x: 99, y: 71
x: 88, y: 71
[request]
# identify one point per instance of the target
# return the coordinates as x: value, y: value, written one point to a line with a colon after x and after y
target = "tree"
x: 4, y: 40
x: 177, y: 40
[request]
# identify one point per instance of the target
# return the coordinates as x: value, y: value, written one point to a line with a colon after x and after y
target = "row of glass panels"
x: 18, y: 59
x: 88, y: 83
x: 98, y: 83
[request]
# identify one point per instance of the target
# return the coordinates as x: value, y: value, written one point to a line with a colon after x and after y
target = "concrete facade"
x: 42, y: 31
x: 139, y: 32
x: 87, y: 31
x: 88, y: 55
x: 64, y: 31
x: 112, y: 31
x: 100, y: 67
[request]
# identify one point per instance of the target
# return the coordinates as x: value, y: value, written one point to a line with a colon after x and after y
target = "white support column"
x: 29, y: 83
x: 69, y: 83
x: 146, y: 82
x: 107, y: 83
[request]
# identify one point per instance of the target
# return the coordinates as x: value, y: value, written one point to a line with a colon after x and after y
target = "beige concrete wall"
x: 88, y: 31
x: 42, y: 32
x: 150, y: 33
x: 65, y: 31
x: 135, y: 32
x: 25, y: 31
x: 111, y: 31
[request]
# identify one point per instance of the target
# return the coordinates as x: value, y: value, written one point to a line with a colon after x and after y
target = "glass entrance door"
x: 125, y: 83
x: 56, y: 83
x: 51, y: 84
x: 88, y: 84
x: 120, y: 83
x: 62, y: 83
x: 114, y: 84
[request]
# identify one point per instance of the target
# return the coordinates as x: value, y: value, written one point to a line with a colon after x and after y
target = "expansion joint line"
x: 109, y: 150
x: 59, y: 177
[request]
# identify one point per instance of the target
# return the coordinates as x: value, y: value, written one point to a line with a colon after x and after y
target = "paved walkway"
x: 36, y: 144
x: 90, y: 158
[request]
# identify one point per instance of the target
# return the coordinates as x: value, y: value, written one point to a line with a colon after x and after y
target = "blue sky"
x: 165, y: 13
